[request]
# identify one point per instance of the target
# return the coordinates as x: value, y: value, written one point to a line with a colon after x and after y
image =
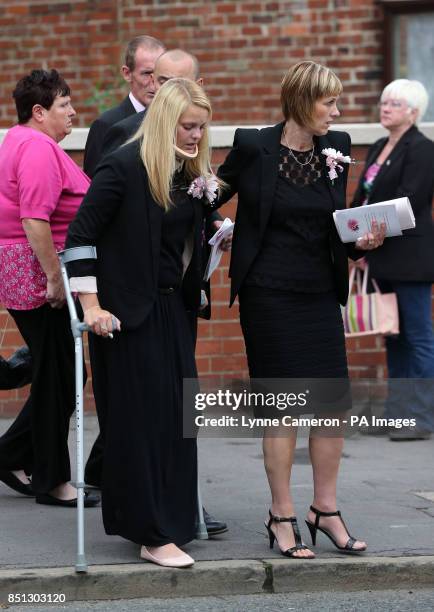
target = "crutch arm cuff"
x: 83, y: 284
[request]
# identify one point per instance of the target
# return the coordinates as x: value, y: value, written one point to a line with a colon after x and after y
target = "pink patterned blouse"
x: 38, y: 180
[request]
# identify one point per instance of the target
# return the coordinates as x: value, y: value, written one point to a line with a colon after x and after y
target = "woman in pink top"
x: 41, y: 189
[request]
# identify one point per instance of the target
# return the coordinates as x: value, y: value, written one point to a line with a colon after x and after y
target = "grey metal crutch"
x: 77, y: 328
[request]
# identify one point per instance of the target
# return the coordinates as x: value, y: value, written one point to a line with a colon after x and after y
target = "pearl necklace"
x: 294, y: 157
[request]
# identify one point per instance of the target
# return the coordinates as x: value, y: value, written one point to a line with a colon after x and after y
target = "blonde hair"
x: 304, y: 84
x: 413, y: 92
x: 158, y: 137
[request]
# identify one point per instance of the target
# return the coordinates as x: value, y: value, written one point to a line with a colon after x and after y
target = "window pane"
x: 413, y: 52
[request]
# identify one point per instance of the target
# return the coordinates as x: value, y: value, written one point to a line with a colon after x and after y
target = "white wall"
x: 222, y: 135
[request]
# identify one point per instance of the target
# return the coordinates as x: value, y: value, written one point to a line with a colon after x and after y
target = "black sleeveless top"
x: 177, y: 224
x: 295, y: 253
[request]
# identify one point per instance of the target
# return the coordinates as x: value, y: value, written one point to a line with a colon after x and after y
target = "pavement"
x: 386, y: 495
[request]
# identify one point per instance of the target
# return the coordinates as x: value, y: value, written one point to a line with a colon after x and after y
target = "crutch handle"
x: 83, y: 327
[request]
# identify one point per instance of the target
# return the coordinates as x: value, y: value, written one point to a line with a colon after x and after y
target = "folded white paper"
x: 223, y: 232
x: 353, y: 223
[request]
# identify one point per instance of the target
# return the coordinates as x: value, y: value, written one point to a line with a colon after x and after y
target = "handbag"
x: 16, y: 371
x: 369, y: 313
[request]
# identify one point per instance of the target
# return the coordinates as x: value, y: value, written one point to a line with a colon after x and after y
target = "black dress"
x: 149, y: 488
x: 289, y: 312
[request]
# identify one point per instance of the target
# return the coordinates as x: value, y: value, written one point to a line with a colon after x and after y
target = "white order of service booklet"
x: 224, y: 231
x: 353, y: 223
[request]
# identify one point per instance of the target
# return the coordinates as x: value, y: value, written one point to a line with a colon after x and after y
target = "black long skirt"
x: 149, y: 483
x: 291, y: 335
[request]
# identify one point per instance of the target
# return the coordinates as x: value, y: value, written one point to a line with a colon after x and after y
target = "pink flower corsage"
x: 204, y: 187
x: 334, y: 161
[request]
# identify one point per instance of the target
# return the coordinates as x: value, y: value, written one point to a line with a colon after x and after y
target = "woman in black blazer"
x: 290, y: 271
x: 147, y: 228
x: 402, y: 164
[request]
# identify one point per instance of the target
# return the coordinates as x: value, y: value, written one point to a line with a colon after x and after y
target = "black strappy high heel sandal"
x: 313, y: 528
x: 297, y: 537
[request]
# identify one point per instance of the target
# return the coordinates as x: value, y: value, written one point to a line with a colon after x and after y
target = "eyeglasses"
x: 392, y: 103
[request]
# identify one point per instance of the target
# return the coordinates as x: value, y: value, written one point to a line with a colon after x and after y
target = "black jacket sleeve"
x: 236, y: 161
x: 115, y: 137
x: 417, y: 175
x: 95, y: 213
x: 93, y: 148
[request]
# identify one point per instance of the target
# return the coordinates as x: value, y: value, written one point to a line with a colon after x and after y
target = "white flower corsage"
x: 334, y: 161
x: 204, y: 187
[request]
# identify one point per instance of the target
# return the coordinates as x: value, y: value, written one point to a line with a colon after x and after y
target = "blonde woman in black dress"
x: 290, y: 271
x: 146, y: 221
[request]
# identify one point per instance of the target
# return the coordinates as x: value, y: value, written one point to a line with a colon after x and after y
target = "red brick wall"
x: 220, y: 348
x: 244, y: 48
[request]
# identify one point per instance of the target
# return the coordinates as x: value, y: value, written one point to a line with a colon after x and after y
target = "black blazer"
x: 251, y: 169
x: 409, y: 171
x: 97, y: 131
x: 120, y: 132
x: 119, y: 216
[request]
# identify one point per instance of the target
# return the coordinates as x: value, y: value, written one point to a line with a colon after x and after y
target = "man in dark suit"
x: 170, y: 64
x: 140, y: 57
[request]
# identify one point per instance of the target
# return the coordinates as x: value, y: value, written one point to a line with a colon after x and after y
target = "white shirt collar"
x: 138, y: 106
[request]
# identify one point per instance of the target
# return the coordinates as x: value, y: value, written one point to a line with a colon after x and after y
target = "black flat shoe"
x: 90, y: 500
x: 408, y: 433
x: 314, y: 527
x: 16, y: 484
x: 297, y: 537
x: 213, y: 526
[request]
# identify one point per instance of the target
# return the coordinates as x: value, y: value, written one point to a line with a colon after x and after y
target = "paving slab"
x: 386, y: 494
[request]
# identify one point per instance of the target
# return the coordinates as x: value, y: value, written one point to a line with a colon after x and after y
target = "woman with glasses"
x: 402, y: 164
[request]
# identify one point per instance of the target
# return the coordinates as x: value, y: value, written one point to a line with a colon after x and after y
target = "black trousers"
x: 37, y: 441
x: 93, y: 469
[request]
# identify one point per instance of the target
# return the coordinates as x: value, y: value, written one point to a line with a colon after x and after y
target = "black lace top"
x: 177, y: 224
x: 295, y: 252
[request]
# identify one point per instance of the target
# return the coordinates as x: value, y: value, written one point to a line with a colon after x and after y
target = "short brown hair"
x: 149, y: 42
x: 39, y: 87
x: 304, y: 84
